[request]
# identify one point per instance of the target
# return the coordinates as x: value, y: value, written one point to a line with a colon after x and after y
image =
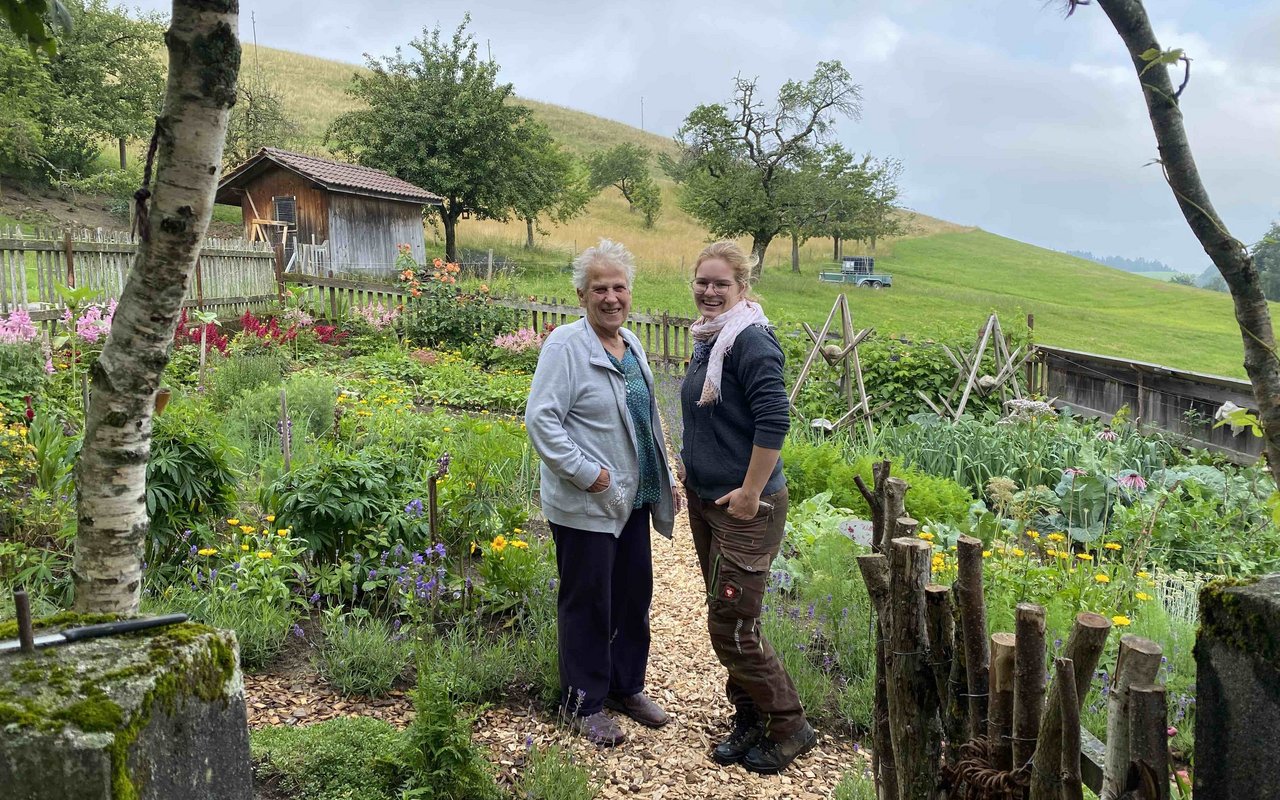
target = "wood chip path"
x: 671, y: 763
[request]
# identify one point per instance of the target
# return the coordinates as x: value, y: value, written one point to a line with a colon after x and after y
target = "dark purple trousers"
x: 606, y: 588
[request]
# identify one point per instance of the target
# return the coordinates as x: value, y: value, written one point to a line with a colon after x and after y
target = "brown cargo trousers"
x: 735, y: 555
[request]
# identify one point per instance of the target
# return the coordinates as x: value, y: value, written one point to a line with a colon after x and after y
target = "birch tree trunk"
x: 204, y: 60
x: 1228, y: 254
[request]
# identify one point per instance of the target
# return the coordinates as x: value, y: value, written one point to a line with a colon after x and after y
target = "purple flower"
x: 297, y: 630
x: 1075, y: 472
x: 439, y: 550
x: 315, y: 598
x: 442, y: 465
x: 1107, y: 435
x: 193, y: 550
x: 234, y: 586
x: 414, y: 508
x: 419, y: 559
x: 373, y: 573
x: 1132, y: 481
x: 213, y: 575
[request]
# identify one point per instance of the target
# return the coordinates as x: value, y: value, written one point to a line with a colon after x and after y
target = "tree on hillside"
x: 883, y: 215
x: 106, y: 84
x: 441, y: 120
x: 1151, y: 62
x: 828, y: 189
x: 204, y: 59
x: 735, y: 159
x: 552, y: 184
x: 626, y: 167
x: 257, y: 119
x: 1266, y: 256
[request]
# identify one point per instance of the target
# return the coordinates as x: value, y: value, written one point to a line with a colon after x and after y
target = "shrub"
x: 243, y: 372
x: 349, y: 758
x: 360, y: 655
x: 262, y: 628
x: 479, y: 670
x: 815, y: 467
x: 253, y: 418
x: 22, y: 375
x: 552, y: 773
x: 439, y: 313
x: 442, y: 760
x: 855, y: 787
x: 189, y: 477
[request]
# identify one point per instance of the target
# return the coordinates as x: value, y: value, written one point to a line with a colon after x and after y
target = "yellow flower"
x: 265, y: 554
x: 986, y: 554
x: 1057, y: 537
x: 1084, y: 556
x: 1142, y: 596
x: 475, y: 548
x: 233, y: 522
x: 1062, y: 554
x: 446, y: 430
x: 271, y: 518
x: 1143, y: 574
x: 1102, y: 578
x: 207, y: 551
x: 1019, y: 552
x: 1033, y: 534
x: 247, y: 529
x: 519, y: 545
x: 928, y: 537
x: 499, y: 543
x: 517, y: 530
x: 244, y: 547
x: 283, y: 532
x: 1120, y: 620
x: 1112, y: 545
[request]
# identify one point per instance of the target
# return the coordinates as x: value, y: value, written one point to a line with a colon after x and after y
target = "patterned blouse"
x: 639, y: 403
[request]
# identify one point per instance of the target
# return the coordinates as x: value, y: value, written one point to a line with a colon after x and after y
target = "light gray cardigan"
x: 578, y: 421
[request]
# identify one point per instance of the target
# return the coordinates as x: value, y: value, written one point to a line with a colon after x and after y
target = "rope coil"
x: 973, y: 778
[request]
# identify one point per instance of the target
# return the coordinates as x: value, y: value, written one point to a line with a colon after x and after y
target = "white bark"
x: 204, y: 60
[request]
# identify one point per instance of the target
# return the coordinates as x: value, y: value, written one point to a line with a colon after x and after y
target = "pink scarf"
x: 724, y: 329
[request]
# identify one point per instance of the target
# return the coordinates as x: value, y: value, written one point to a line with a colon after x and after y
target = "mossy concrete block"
x: 1238, y: 692
x: 152, y: 715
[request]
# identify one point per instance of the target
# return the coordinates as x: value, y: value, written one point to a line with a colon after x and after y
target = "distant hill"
x: 1126, y: 264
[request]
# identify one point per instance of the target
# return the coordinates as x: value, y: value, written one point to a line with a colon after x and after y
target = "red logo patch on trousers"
x: 730, y: 592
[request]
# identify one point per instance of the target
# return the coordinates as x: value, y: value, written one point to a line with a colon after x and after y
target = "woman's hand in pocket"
x: 602, y: 481
x: 740, y: 504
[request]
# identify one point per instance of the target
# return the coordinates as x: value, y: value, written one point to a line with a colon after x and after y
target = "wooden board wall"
x: 365, y: 231
x: 312, y: 202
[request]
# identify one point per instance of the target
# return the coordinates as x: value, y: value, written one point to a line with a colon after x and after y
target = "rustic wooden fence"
x: 232, y: 275
x: 1175, y: 401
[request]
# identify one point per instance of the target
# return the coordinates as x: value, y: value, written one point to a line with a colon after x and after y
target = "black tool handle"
x: 123, y: 626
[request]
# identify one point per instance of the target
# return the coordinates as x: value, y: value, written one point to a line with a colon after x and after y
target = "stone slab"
x: 154, y: 715
x: 1238, y: 692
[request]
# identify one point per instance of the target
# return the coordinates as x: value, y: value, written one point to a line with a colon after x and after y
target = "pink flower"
x: 1132, y: 481
x: 1172, y: 731
x: 1075, y: 472
x: 17, y: 328
x: 1107, y: 435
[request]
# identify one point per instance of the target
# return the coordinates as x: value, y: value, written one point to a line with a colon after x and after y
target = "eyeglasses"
x: 701, y: 286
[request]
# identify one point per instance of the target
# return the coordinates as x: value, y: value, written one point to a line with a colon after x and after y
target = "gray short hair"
x: 607, y: 253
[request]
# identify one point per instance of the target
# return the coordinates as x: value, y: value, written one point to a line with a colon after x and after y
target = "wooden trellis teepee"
x: 1007, y: 365
x: 842, y: 353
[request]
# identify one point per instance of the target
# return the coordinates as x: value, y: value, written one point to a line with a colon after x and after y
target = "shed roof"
x: 332, y: 175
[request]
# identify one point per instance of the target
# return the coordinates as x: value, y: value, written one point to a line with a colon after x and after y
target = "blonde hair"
x: 732, y: 254
x: 607, y: 253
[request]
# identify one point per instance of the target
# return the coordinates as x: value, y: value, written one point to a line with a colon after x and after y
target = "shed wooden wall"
x: 365, y: 231
x: 312, y: 202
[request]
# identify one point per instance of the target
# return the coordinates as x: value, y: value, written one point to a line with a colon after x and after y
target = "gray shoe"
x: 600, y: 729
x: 640, y: 708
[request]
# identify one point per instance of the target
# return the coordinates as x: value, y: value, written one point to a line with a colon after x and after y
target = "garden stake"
x: 1072, y: 785
x: 1137, y: 663
x: 973, y: 616
x: 1000, y: 709
x: 1029, y: 680
x: 432, y: 519
x: 22, y: 607
x: 913, y: 705
x: 1148, y: 742
x: 875, y: 574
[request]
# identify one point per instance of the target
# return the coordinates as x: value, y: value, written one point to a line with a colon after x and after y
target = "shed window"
x: 286, y: 210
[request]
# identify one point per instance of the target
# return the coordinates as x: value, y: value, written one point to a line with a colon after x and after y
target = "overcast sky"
x: 1006, y: 115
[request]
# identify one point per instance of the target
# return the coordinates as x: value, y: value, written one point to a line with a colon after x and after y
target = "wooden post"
x: 1148, y: 740
x: 973, y: 616
x: 913, y: 706
x: 941, y: 653
x: 1084, y: 648
x: 1029, y: 681
x: 1072, y: 785
x: 976, y: 366
x: 69, y: 251
x: 957, y: 704
x: 875, y: 574
x: 488, y: 272
x: 286, y: 431
x: 895, y: 501
x: 199, y: 285
x: 1000, y: 709
x: 1137, y: 663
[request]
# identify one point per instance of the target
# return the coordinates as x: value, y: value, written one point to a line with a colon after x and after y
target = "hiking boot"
x: 640, y: 708
x: 747, y: 732
x: 599, y: 729
x: 770, y: 757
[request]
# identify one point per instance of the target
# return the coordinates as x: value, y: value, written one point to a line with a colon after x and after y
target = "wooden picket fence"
x: 231, y: 275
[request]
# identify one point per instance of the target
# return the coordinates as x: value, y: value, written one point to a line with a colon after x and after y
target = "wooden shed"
x: 327, y: 215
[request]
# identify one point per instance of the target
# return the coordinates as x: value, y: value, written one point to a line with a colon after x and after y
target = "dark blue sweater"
x: 752, y: 410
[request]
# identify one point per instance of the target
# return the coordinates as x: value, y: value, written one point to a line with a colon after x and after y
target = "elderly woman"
x: 735, y: 413
x: 593, y: 419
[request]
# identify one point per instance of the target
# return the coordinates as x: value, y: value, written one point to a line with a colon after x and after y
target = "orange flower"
x: 437, y: 263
